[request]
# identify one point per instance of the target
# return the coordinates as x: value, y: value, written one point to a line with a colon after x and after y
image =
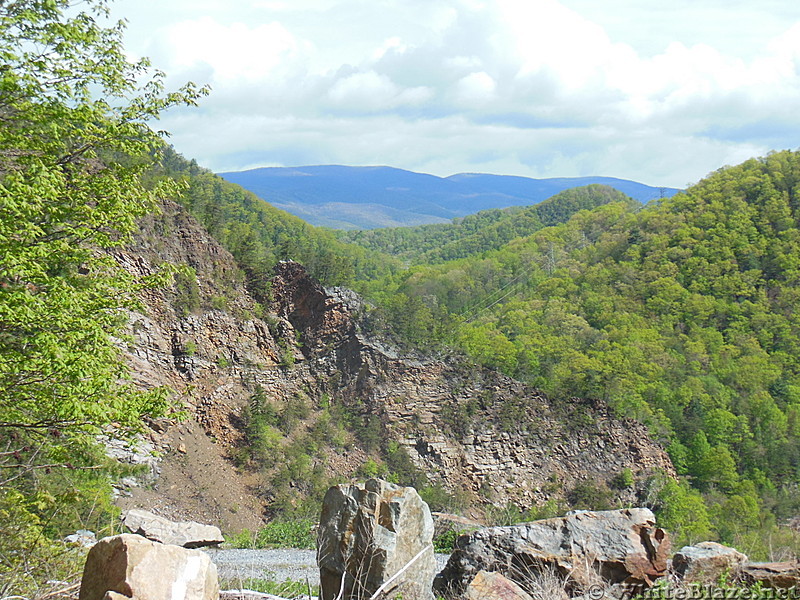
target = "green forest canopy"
x: 681, y: 315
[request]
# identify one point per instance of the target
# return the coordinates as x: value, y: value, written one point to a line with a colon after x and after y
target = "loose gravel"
x: 235, y: 566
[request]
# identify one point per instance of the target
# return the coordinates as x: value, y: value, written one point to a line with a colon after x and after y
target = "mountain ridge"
x: 367, y: 197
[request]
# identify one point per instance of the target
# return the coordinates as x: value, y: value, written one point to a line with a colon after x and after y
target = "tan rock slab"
x: 489, y: 585
x: 180, y: 533
x: 139, y: 568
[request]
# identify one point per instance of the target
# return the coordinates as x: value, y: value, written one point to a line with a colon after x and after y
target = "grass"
x: 284, y: 589
x: 278, y: 534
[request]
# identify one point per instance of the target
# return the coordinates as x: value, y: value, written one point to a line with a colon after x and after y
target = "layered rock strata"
x: 473, y: 431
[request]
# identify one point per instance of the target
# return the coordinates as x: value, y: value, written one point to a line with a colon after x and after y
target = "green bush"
x: 623, y: 479
x: 287, y: 534
x: 445, y: 542
x: 187, y: 292
x: 589, y: 495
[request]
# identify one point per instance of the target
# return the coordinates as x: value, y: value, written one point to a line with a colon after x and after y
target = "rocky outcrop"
x: 581, y: 548
x: 471, y: 430
x: 375, y: 537
x: 184, y: 533
x: 135, y: 567
x: 706, y: 562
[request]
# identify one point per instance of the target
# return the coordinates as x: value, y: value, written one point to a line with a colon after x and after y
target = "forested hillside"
x: 486, y: 230
x: 345, y: 197
x: 682, y: 315
x: 259, y: 235
x: 678, y: 314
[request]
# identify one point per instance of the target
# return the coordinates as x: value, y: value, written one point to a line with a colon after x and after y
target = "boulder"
x: 780, y: 575
x: 583, y: 548
x: 493, y: 585
x: 145, y: 570
x: 706, y: 562
x: 184, y: 533
x: 372, y: 537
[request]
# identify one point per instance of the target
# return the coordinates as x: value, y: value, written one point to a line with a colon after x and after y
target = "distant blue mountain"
x: 369, y: 197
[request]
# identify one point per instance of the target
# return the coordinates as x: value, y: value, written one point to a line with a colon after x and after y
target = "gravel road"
x: 235, y: 566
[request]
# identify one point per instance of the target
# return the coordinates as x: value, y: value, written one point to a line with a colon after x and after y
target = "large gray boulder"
x: 706, y: 562
x: 582, y: 548
x: 180, y: 533
x: 372, y: 537
x: 145, y: 570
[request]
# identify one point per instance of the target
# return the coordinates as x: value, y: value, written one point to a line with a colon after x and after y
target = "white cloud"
x: 233, y: 52
x: 475, y: 90
x: 369, y: 92
x: 662, y: 94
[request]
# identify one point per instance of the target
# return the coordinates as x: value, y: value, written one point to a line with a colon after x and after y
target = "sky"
x: 661, y: 92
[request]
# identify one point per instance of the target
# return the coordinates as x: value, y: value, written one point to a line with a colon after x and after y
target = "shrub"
x: 445, y: 542
x: 589, y: 495
x: 623, y: 479
x: 187, y: 292
x: 294, y: 533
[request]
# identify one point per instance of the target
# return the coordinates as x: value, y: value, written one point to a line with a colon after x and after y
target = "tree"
x: 74, y: 143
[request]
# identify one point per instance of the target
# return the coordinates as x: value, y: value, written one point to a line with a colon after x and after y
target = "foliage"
x: 73, y: 137
x: 681, y: 315
x: 589, y: 495
x: 486, y: 230
x: 287, y: 534
x: 282, y: 533
x: 259, y: 235
x: 445, y: 543
x: 280, y: 589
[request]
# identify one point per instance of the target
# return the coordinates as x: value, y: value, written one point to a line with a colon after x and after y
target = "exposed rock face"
x: 582, y: 548
x: 145, y: 570
x: 185, y: 533
x: 706, y: 562
x: 375, y: 536
x: 470, y: 429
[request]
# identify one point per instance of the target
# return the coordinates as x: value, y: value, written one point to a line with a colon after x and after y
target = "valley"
x: 592, y: 354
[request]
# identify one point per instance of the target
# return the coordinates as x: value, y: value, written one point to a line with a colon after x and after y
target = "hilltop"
x: 343, y: 197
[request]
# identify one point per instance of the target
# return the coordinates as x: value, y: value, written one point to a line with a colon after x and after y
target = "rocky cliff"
x: 469, y: 429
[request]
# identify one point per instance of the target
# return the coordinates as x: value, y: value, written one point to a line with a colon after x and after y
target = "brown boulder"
x: 781, y: 575
x: 145, y: 570
x: 493, y: 585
